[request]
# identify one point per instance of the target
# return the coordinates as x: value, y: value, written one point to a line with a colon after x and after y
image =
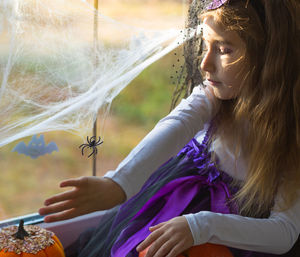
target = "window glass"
x: 26, y: 182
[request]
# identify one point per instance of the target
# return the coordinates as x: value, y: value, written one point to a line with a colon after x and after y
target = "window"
x: 26, y: 182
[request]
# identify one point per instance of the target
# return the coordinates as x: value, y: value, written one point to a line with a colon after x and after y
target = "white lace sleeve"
x: 276, y: 234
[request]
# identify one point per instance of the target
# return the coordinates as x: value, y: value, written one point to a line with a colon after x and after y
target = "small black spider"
x: 92, y: 143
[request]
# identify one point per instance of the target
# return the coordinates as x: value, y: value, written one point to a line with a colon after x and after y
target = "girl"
x: 236, y: 180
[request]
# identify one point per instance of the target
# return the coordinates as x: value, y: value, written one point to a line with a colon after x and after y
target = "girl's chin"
x: 223, y: 94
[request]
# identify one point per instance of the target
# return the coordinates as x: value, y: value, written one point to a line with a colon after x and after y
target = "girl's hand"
x: 168, y: 239
x: 88, y: 194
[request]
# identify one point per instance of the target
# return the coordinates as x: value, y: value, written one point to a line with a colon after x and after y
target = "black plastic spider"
x: 92, y: 143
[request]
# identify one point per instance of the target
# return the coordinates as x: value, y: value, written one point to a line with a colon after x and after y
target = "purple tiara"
x: 216, y: 4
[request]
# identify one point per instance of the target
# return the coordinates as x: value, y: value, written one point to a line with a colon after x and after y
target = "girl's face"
x: 223, y: 62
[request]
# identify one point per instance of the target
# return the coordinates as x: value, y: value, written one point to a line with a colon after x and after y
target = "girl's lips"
x: 212, y: 82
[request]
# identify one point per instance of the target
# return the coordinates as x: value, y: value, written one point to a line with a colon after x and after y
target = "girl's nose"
x: 207, y: 63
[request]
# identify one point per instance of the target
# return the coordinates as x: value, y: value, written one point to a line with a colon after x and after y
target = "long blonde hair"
x: 265, y: 117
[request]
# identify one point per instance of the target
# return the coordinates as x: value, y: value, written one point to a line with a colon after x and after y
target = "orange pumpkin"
x: 34, y: 241
x: 205, y: 250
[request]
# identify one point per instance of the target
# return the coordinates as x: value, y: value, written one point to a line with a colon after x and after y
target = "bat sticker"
x: 36, y: 147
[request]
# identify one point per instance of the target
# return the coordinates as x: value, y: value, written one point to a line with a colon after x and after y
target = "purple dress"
x: 187, y: 183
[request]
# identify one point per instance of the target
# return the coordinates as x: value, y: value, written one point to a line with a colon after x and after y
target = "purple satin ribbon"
x: 173, y: 199
x: 216, y: 4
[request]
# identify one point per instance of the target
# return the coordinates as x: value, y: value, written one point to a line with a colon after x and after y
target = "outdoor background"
x: 25, y: 183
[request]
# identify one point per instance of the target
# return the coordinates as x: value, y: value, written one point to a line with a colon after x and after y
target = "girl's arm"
x: 89, y: 194
x: 165, y: 140
x: 276, y: 234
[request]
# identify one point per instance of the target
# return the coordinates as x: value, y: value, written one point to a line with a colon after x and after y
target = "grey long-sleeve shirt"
x: 276, y: 234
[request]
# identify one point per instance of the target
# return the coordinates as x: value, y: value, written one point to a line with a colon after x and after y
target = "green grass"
x: 148, y: 97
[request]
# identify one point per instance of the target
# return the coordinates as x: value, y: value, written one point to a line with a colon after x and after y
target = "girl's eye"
x: 224, y: 50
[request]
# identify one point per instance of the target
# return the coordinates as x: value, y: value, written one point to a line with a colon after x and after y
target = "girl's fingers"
x: 148, y: 241
x: 65, y: 205
x: 175, y: 250
x: 61, y: 216
x: 67, y: 214
x: 60, y: 197
x: 163, y: 249
x: 76, y: 182
x: 62, y: 206
x: 153, y: 228
x: 68, y: 194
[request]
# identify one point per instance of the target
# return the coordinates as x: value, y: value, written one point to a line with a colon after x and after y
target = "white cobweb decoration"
x: 57, y: 73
